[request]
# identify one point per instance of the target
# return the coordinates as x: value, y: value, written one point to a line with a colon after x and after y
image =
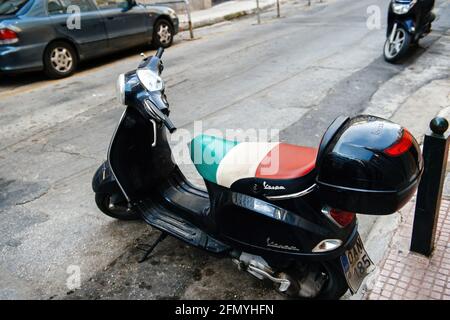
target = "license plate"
x: 356, y: 264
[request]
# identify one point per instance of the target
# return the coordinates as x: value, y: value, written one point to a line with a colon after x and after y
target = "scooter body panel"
x: 137, y: 165
x: 288, y: 229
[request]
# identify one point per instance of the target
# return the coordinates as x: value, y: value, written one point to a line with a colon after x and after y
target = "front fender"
x: 408, y: 24
x: 104, y: 181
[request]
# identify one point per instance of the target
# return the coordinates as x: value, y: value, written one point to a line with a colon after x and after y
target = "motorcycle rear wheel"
x: 334, y: 288
x: 336, y: 285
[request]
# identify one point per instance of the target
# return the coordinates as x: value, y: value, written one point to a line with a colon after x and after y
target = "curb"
x: 227, y: 17
x: 230, y: 16
x: 377, y: 242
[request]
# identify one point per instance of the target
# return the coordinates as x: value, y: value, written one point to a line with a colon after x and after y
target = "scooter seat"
x: 266, y: 168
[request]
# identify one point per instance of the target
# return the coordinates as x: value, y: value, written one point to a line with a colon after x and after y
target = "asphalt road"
x: 291, y: 75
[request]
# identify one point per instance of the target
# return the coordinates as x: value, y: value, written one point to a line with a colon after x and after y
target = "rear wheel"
x: 320, y: 282
x: 60, y: 60
x: 397, y: 48
x: 335, y: 285
x: 163, y: 33
x: 118, y: 210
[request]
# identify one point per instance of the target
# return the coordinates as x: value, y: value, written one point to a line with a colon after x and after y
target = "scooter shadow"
x: 416, y: 51
x: 206, y: 276
x: 174, y: 270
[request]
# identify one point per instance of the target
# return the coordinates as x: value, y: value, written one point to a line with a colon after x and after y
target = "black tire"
x: 165, y: 39
x: 119, y: 212
x: 56, y: 60
x: 393, y: 58
x: 336, y: 284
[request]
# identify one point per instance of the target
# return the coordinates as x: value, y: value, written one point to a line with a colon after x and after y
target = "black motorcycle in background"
x: 408, y: 22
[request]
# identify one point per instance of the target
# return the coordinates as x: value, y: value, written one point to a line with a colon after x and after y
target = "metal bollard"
x: 188, y: 12
x: 435, y: 152
x: 187, y: 9
x: 258, y: 17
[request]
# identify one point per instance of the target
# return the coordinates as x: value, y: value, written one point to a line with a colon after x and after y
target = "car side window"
x: 55, y: 7
x: 110, y: 4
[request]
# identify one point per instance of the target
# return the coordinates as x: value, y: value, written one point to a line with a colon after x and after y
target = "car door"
x: 125, y: 23
x: 80, y: 21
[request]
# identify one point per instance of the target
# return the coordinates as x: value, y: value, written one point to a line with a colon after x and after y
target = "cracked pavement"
x: 293, y: 74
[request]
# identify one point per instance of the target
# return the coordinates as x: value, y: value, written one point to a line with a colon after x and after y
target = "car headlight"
x: 402, y: 7
x: 120, y: 87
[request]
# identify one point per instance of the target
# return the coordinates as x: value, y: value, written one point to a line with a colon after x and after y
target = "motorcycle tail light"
x: 401, y: 145
x: 343, y: 218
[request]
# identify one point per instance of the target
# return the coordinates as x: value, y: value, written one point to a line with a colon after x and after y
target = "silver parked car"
x: 54, y: 35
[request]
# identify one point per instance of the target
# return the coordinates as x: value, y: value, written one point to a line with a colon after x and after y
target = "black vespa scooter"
x: 293, y: 225
x: 408, y: 22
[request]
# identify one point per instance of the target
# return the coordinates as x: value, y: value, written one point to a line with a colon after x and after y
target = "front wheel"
x: 396, y: 45
x: 115, y: 210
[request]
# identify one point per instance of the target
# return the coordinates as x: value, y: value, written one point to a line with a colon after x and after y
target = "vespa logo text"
x: 269, y: 187
x: 272, y: 244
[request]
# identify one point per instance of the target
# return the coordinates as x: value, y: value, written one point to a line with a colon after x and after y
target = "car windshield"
x: 11, y: 6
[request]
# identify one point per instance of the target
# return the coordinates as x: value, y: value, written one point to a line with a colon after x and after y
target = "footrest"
x: 164, y: 220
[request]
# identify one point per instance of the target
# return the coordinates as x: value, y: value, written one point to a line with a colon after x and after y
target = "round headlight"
x: 120, y: 87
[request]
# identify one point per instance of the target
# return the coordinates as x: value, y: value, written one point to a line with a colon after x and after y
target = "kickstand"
x: 149, y: 248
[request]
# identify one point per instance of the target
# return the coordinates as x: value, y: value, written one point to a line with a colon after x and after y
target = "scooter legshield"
x: 139, y: 155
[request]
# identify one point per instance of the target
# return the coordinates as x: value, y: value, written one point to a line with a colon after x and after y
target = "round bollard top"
x: 439, y: 125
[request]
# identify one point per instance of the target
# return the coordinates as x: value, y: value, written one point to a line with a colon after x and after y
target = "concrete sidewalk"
x: 404, y: 275
x: 225, y: 11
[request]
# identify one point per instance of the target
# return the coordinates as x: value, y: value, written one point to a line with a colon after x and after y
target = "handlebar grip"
x: 159, y: 52
x: 169, y: 125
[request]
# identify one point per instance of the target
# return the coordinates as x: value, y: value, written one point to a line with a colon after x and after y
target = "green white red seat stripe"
x: 224, y: 162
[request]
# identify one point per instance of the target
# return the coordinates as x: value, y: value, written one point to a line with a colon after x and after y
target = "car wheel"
x: 60, y: 60
x: 163, y: 34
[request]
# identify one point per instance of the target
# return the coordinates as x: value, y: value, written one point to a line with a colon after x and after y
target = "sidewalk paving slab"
x: 404, y: 275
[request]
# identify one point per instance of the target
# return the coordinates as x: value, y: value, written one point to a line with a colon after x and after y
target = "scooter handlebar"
x: 169, y: 125
x: 154, y: 111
